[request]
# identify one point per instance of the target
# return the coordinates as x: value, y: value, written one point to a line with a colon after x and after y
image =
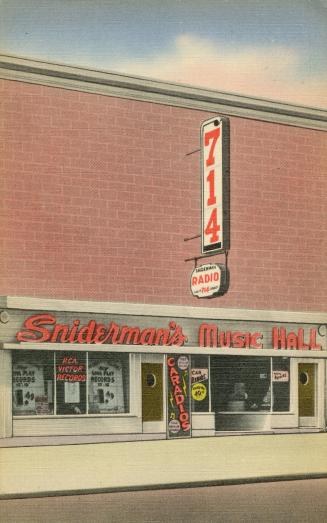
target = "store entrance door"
x: 307, y: 386
x: 152, y: 397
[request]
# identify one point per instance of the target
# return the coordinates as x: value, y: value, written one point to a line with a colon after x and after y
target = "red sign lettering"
x: 44, y: 328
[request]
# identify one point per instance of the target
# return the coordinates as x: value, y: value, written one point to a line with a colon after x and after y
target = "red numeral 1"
x: 213, y: 227
x: 211, y: 179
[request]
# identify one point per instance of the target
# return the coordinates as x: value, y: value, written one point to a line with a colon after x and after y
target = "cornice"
x: 148, y: 90
x: 173, y: 311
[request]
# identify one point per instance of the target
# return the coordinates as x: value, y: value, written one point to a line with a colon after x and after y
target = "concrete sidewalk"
x: 50, y: 470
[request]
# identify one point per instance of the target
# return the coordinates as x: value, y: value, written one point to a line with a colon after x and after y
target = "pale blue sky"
x: 269, y: 48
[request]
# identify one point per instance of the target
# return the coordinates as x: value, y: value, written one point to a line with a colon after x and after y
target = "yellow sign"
x: 199, y: 391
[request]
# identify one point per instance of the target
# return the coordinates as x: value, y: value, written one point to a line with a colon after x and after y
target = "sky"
x: 273, y: 49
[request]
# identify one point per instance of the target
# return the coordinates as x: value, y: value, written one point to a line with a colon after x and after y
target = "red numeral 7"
x: 211, y: 135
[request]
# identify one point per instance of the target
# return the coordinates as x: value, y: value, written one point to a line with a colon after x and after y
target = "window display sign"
x: 198, y: 375
x: 280, y: 375
x: 199, y: 391
x: 28, y: 385
x: 70, y: 369
x: 178, y: 403
x: 214, y: 140
x: 199, y: 384
x: 71, y: 383
x: 42, y: 405
x: 71, y: 392
x: 106, y: 391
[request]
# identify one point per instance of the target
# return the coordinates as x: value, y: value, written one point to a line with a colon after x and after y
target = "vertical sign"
x: 178, y: 404
x: 215, y: 185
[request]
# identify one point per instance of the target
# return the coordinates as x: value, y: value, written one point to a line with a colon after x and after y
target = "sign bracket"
x: 201, y: 256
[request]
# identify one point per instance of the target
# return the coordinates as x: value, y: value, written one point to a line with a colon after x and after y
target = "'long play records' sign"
x: 178, y: 404
x: 214, y: 141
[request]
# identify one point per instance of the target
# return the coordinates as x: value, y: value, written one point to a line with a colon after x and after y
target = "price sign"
x: 215, y: 185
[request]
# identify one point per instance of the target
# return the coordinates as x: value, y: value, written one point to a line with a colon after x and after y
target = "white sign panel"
x: 215, y: 185
x: 206, y: 280
x: 198, y: 375
x: 28, y: 383
x: 72, y: 392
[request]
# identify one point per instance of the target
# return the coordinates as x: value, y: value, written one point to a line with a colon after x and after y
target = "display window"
x: 281, y: 384
x: 241, y: 384
x: 69, y: 383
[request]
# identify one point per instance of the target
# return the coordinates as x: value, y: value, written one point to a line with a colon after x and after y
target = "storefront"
x: 80, y: 368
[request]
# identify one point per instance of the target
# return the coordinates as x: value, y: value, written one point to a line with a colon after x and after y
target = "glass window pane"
x: 200, y: 384
x: 108, y: 383
x: 240, y: 384
x: 281, y: 384
x: 32, y: 383
x: 71, y: 382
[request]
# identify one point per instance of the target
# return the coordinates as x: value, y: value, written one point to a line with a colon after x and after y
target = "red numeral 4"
x: 212, y: 227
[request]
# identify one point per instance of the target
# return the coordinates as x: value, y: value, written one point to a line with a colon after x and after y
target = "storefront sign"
x: 211, y: 336
x: 44, y: 328
x: 214, y: 140
x: 281, y: 339
x: 151, y: 332
x: 208, y: 281
x: 178, y: 403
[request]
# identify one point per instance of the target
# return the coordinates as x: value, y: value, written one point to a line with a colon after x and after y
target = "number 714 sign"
x: 215, y: 185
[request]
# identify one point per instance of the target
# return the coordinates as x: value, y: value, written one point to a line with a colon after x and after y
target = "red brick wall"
x: 97, y: 195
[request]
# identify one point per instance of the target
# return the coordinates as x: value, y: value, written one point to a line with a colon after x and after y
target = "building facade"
x: 101, y: 337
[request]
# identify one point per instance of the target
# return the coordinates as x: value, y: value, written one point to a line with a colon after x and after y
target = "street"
x: 284, y: 501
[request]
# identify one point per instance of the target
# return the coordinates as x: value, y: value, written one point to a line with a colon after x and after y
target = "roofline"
x: 155, y: 91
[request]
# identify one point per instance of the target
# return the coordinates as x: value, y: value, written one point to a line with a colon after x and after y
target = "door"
x: 307, y: 394
x: 152, y: 395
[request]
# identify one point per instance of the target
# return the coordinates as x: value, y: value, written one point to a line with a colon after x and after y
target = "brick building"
x: 100, y: 187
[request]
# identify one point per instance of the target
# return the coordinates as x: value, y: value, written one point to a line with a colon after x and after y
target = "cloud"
x: 274, y: 72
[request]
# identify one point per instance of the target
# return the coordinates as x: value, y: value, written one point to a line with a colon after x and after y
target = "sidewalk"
x: 50, y: 470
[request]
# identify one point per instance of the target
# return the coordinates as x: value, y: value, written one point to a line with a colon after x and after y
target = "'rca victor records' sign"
x: 209, y: 280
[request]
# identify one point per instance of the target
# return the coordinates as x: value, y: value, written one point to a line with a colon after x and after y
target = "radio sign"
x: 209, y: 280
x: 214, y: 139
